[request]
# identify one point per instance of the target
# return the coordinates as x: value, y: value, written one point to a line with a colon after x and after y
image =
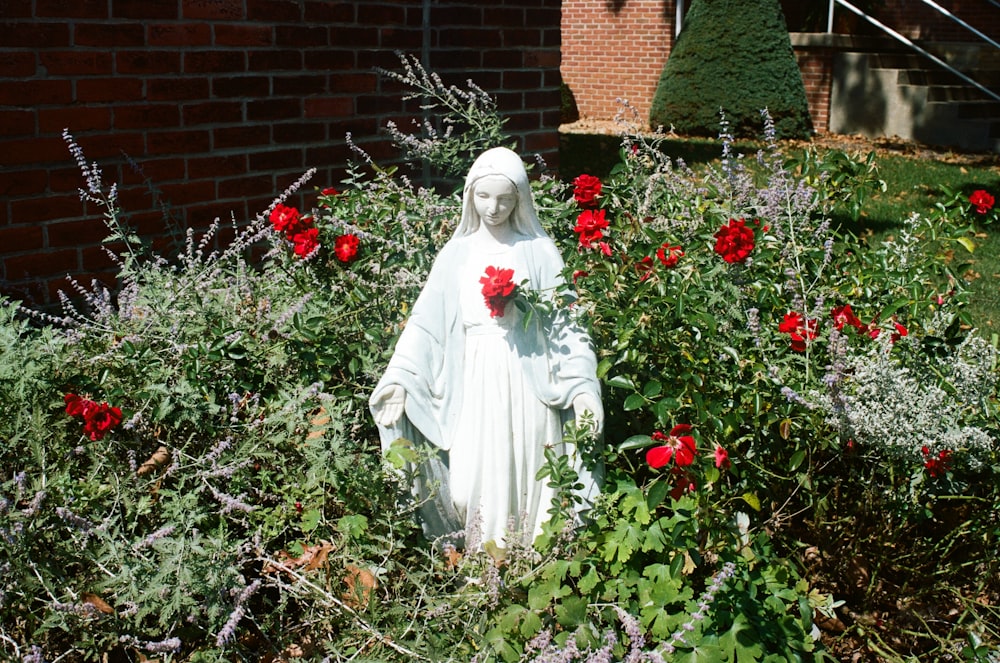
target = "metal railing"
x: 909, y: 42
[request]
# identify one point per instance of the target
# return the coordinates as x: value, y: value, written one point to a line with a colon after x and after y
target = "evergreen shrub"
x: 734, y: 56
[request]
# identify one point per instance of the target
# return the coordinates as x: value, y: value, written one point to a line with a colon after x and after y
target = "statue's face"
x: 495, y: 197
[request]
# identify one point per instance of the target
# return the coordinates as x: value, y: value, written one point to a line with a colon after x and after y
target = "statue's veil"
x: 504, y: 162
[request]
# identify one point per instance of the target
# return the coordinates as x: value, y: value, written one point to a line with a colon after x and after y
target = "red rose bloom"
x: 734, y: 241
x: 982, y: 201
x: 498, y: 289
x: 306, y: 241
x: 936, y: 465
x: 669, y: 255
x: 677, y: 446
x: 586, y: 189
x: 98, y: 419
x: 286, y: 220
x: 645, y: 268
x: 346, y: 248
x: 843, y: 315
x: 589, y: 225
x: 799, y: 329
x: 721, y: 457
x: 329, y: 191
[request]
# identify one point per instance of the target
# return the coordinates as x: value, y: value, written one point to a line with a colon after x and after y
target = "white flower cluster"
x: 900, y: 409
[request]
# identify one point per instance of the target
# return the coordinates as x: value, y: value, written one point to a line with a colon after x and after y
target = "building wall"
x: 618, y: 48
x: 221, y: 104
x: 615, y: 50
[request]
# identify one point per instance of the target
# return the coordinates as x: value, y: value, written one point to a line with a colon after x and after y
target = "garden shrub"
x: 733, y: 56
x: 190, y: 471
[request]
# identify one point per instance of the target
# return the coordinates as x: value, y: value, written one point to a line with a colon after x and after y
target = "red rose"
x: 734, y: 241
x: 843, y: 315
x: 721, y: 458
x: 306, y: 241
x: 329, y: 191
x: 982, y: 201
x: 799, y: 329
x: 75, y: 405
x: 645, y: 268
x: 669, y: 255
x: 102, y: 419
x: 677, y: 446
x: 287, y: 220
x: 586, y: 189
x: 346, y: 248
x: 589, y: 225
x: 498, y: 289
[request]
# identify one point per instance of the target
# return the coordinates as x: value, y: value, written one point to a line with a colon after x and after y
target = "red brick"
x: 100, y: 148
x: 32, y: 150
x: 298, y: 132
x: 148, y: 62
x: 219, y: 10
x: 23, y: 183
x: 474, y: 38
x: 299, y: 85
x: 404, y: 39
x: 185, y: 193
x: 143, y: 9
x: 17, y: 64
x: 91, y: 90
x: 253, y: 134
x: 35, y: 92
x: 174, y: 89
x: 329, y: 107
x: 75, y: 62
x: 244, y: 187
x: 273, y: 160
x: 329, y: 12
x: 177, y: 142
x: 243, y: 35
x: 270, y: 60
x: 21, y: 267
x: 17, y: 123
x: 521, y: 38
x: 14, y: 239
x: 76, y: 233
x: 273, y: 109
x: 78, y: 118
x: 32, y: 35
x: 305, y: 37
x: 450, y: 15
x: 189, y: 35
x: 376, y: 14
x: 216, y: 166
x: 273, y: 11
x: 37, y: 210
x: 146, y: 116
x: 213, y: 112
x: 332, y: 59
x: 108, y: 35
x: 15, y: 9
x: 241, y: 86
x: 75, y: 9
x: 214, y: 62
x: 342, y: 83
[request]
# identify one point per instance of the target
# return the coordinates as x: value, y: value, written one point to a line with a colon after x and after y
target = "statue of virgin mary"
x: 472, y: 382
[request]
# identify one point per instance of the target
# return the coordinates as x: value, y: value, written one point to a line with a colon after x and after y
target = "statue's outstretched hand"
x: 584, y: 403
x: 387, y: 405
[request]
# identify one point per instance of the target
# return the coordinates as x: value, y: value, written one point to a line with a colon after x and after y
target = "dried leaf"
x: 98, y: 602
x: 360, y: 585
x: 160, y: 458
x: 312, y: 558
x: 318, y: 424
x: 785, y: 429
x: 452, y: 558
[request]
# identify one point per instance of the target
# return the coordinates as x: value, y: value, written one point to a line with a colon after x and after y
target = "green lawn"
x: 913, y: 184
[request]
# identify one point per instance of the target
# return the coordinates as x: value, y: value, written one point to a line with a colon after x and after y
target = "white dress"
x: 502, y: 428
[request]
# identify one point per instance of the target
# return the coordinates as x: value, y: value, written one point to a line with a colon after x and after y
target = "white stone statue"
x: 486, y: 391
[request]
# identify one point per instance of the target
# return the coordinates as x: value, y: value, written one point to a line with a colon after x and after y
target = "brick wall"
x: 223, y: 103
x: 615, y: 49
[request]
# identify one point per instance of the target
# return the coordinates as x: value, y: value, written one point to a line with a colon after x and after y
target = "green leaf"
x: 634, y: 402
x: 652, y: 389
x: 797, y: 459
x: 969, y: 245
x: 621, y: 382
x: 635, y: 442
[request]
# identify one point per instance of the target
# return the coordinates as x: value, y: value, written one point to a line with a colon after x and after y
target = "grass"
x: 913, y: 184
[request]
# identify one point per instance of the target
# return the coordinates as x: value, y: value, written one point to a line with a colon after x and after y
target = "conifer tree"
x: 733, y: 55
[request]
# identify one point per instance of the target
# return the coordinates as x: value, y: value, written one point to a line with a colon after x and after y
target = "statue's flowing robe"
x: 487, y: 432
